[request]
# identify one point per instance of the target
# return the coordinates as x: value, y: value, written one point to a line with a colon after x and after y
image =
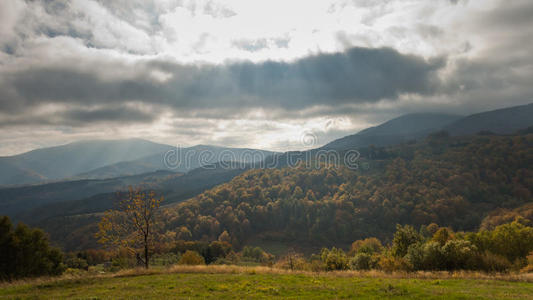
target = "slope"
x: 501, y: 121
x: 67, y: 160
x: 395, y: 131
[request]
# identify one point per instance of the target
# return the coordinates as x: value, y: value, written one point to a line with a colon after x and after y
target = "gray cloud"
x: 79, y: 67
x: 119, y: 114
x: 359, y: 75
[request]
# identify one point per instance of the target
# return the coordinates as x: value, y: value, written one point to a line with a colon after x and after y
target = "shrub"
x: 390, y: 263
x: 491, y: 262
x: 529, y: 267
x: 75, y: 262
x: 404, y: 237
x: 255, y: 254
x: 458, y: 254
x: 363, y: 261
x: 514, y: 240
x: 120, y: 262
x: 369, y: 245
x: 293, y: 261
x: 334, y: 259
x: 166, y: 259
x: 434, y: 258
x: 191, y: 258
x: 442, y: 236
x: 416, y: 256
x: 210, y: 251
x: 94, y: 257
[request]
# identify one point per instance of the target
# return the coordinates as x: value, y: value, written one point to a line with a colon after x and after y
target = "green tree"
x: 363, y: 261
x: 513, y: 240
x: 403, y: 238
x: 25, y: 252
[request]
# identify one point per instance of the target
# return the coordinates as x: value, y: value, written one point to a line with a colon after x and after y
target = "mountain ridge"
x: 414, y: 126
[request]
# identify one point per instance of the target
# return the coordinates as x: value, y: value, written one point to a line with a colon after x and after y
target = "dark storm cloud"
x: 119, y: 114
x: 77, y: 117
x: 359, y: 75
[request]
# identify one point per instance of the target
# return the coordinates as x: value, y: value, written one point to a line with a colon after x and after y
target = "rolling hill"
x: 15, y: 200
x: 54, y: 163
x: 395, y: 131
x: 500, y: 121
x: 103, y: 159
x: 71, y: 222
x: 415, y: 126
x: 187, y: 159
x: 452, y: 181
x: 456, y: 171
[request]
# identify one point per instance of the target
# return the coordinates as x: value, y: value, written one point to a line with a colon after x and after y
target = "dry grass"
x: 48, y: 279
x: 232, y: 269
x: 218, y: 269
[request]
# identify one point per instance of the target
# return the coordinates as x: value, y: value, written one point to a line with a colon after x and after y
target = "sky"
x: 257, y: 74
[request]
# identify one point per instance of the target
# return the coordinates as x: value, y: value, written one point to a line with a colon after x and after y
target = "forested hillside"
x: 462, y: 182
x: 454, y: 182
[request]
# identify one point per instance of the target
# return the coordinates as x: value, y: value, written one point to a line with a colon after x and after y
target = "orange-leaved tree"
x: 133, y: 225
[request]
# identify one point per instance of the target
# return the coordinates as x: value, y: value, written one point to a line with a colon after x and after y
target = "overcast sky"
x: 251, y: 73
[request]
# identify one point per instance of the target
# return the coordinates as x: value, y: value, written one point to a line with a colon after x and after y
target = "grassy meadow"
x: 229, y: 282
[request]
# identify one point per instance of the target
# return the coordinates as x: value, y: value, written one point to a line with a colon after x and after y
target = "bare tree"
x: 133, y: 224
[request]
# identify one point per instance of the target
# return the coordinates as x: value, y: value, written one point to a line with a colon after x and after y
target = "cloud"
x: 359, y: 75
x: 222, y: 72
x: 119, y: 114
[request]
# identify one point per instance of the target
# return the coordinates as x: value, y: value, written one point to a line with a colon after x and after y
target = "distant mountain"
x: 13, y: 174
x: 501, y: 121
x: 180, y: 160
x: 395, y: 131
x: 101, y: 159
x: 68, y: 160
x: 14, y: 200
x: 65, y: 209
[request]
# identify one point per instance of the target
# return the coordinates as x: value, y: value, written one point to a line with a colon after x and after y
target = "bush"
x: 75, y: 262
x: 453, y: 255
x: 514, y: 240
x: 490, y: 262
x: 416, y: 256
x: 191, y: 258
x: 255, y: 254
x: 404, y: 237
x: 210, y: 251
x: 120, y: 262
x: 369, y: 245
x: 458, y: 254
x: 442, y: 236
x: 293, y: 261
x: 363, y: 261
x: 334, y: 259
x: 166, y: 259
x: 529, y: 267
x: 434, y: 258
x: 94, y: 257
x: 390, y: 263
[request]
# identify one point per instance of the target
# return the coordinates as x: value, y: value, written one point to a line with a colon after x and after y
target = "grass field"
x: 239, y: 282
